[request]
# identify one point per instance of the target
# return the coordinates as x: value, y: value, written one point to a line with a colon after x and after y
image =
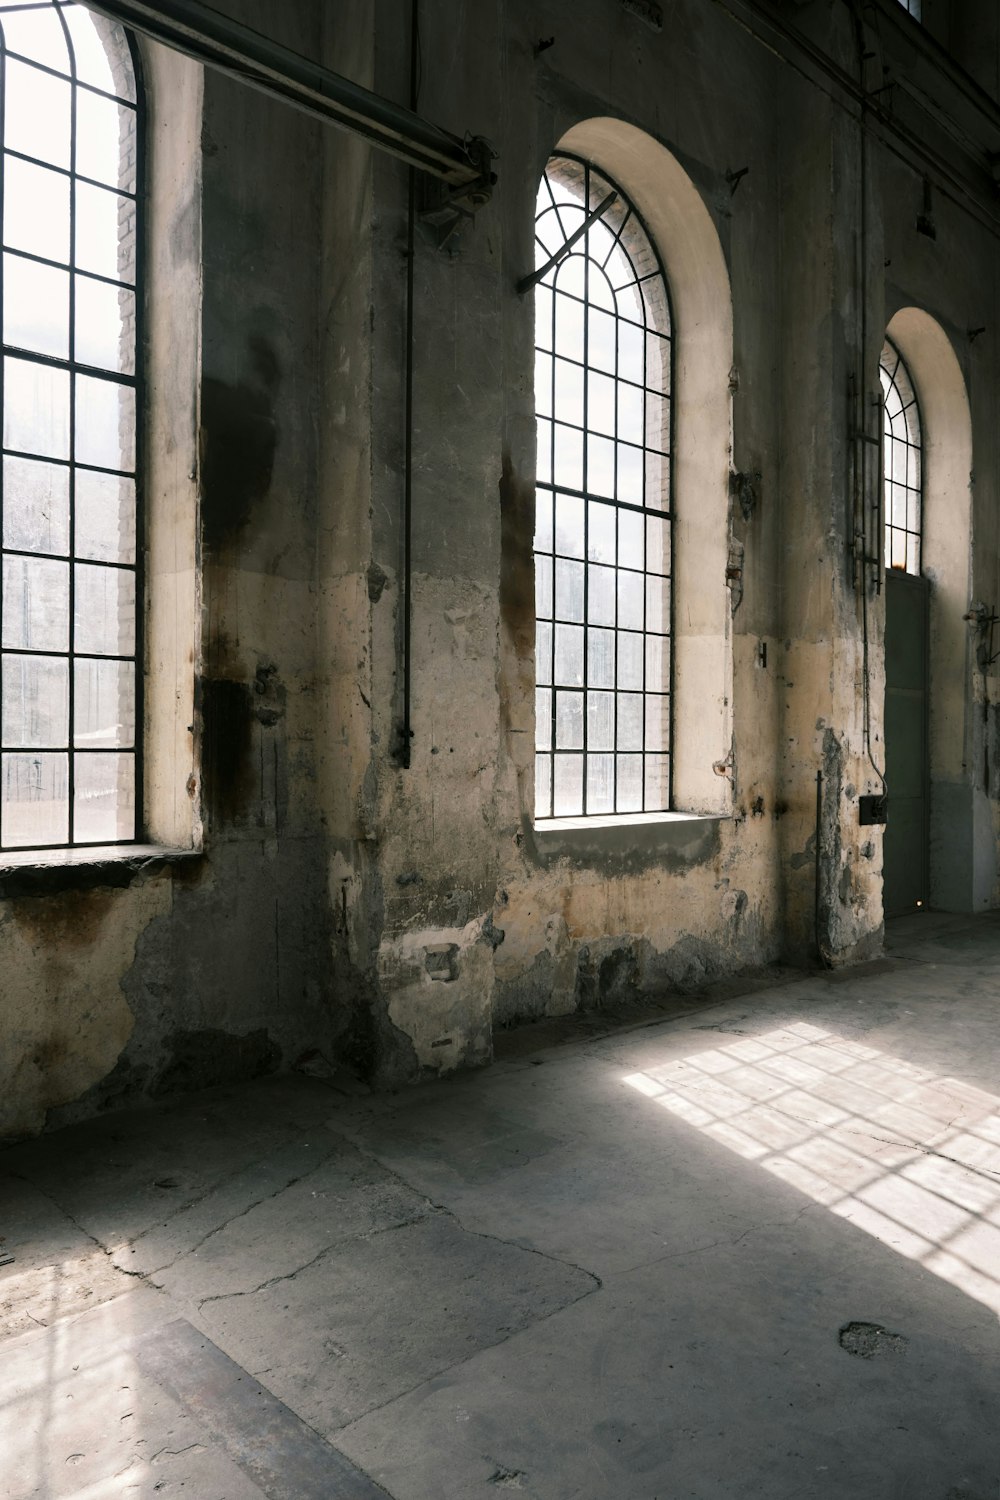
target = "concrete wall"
x: 392, y: 916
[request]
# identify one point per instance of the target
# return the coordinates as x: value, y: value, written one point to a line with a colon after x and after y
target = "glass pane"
x: 37, y: 34
x: 657, y: 545
x: 569, y: 328
x: 35, y: 701
x: 34, y: 800
x: 543, y: 385
x: 656, y: 663
x: 105, y: 423
x: 96, y: 42
x: 543, y: 317
x: 631, y: 348
x: 657, y: 604
x: 630, y: 472
x: 601, y: 521
x: 543, y: 718
x: 601, y: 341
x: 600, y: 596
x: 105, y: 517
x: 543, y: 586
x: 543, y: 786
x: 104, y: 704
x: 543, y: 452
x: 569, y: 721
x: 568, y: 457
x: 569, y: 656
x: 631, y: 592
x: 658, y: 363
x: 600, y: 466
x: 35, y: 604
x: 105, y: 233
x: 600, y: 783
x: 569, y: 393
x: 601, y: 404
x: 657, y: 480
x: 630, y: 721
x: 105, y: 142
x: 35, y: 210
x: 543, y: 521
x: 568, y: 800
x: 543, y: 652
x: 630, y: 654
x: 104, y: 610
x: 629, y: 768
x: 37, y: 113
x: 36, y: 409
x: 35, y: 306
x: 657, y: 422
x: 569, y: 590
x: 630, y: 414
x: 657, y: 722
x: 657, y: 779
x: 630, y: 539
x: 601, y: 721
x: 898, y: 559
x: 569, y: 525
x: 105, y: 326
x: 104, y: 797
x: 601, y: 658
x: 35, y: 506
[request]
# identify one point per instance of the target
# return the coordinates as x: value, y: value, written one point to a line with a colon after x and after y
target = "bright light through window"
x: 603, y: 516
x: 70, y: 688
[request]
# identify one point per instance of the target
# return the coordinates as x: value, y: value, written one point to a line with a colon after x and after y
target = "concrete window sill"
x: 627, y: 835
x: 43, y: 871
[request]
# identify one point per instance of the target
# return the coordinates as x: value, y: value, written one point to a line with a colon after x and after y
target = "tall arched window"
x: 902, y: 463
x: 603, y: 522
x: 71, y: 689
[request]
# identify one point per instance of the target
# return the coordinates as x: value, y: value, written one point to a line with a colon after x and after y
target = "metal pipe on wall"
x: 213, y: 39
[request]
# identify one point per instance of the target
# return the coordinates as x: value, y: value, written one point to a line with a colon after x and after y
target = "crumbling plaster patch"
x: 439, y: 984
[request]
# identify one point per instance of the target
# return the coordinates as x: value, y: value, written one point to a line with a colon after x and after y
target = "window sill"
x: 630, y: 837
x: 39, y: 872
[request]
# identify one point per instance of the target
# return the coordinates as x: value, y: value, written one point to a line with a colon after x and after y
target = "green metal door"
x: 904, y: 872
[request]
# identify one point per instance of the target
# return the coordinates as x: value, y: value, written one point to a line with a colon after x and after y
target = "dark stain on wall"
x: 517, y: 573
x: 227, y: 742
x: 205, y: 1059
x: 72, y: 919
x: 239, y: 438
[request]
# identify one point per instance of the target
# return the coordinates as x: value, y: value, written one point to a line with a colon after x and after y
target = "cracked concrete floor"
x: 751, y: 1250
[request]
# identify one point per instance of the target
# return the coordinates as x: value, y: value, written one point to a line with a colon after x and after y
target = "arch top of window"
x: 614, y: 265
x: 902, y: 463
x: 67, y: 40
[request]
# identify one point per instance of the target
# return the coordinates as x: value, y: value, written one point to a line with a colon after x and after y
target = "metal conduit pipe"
x: 213, y: 39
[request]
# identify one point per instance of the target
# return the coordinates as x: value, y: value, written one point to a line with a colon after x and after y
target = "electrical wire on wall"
x: 866, y: 538
x: 406, y: 730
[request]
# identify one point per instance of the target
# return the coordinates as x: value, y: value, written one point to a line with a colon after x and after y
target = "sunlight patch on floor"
x: 910, y: 1157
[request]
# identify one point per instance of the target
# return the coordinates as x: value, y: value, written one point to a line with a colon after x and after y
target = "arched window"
x: 71, y: 687
x: 603, y: 522
x: 902, y: 463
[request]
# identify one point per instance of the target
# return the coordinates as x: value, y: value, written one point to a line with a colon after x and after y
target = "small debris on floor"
x: 6, y: 1260
x: 871, y: 1340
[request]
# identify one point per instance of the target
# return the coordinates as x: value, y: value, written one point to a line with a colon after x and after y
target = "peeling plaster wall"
x: 392, y: 917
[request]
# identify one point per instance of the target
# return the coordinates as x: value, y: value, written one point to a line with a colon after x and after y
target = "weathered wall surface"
x: 379, y: 892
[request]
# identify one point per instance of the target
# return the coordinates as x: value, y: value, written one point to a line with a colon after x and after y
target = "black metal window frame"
x: 76, y: 369
x: 902, y: 464
x: 651, y: 514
